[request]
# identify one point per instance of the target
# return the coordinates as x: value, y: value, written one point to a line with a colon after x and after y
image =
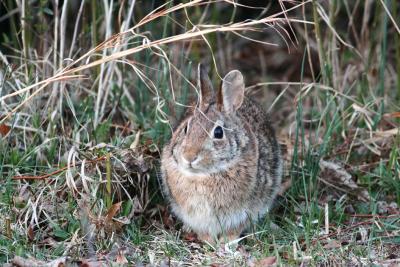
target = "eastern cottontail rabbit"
x: 222, y: 168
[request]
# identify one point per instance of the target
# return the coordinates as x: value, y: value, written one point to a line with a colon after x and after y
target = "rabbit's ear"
x: 204, y: 83
x: 232, y: 91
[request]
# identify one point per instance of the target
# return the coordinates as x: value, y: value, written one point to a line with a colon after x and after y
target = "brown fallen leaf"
x: 392, y: 115
x: 30, y: 233
x: 4, y: 129
x: 337, y: 177
x: 32, y: 262
x: 267, y: 261
x: 166, y: 217
x: 112, y: 211
x: 191, y: 236
x: 22, y: 262
x: 92, y: 263
x: 121, y: 259
x: 332, y: 244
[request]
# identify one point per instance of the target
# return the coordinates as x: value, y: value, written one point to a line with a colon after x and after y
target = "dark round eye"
x: 218, y: 132
x: 185, y: 129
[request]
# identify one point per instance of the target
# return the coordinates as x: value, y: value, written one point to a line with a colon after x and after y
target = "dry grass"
x: 82, y: 125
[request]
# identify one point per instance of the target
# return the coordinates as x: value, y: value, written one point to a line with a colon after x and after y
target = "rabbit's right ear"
x: 207, y: 93
x: 232, y: 91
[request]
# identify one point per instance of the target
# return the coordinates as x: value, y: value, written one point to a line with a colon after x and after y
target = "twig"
x: 343, y: 230
x: 375, y: 216
x: 41, y: 177
x: 370, y: 221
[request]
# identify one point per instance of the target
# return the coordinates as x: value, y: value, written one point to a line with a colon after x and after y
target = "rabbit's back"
x: 269, y: 169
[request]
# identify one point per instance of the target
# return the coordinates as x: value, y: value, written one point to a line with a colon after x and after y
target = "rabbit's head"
x: 211, y: 138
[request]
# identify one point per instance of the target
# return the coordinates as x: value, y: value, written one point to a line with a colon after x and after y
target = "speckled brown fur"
x: 218, y: 186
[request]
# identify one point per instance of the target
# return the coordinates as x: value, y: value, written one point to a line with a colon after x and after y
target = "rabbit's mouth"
x: 187, y: 170
x: 192, y: 167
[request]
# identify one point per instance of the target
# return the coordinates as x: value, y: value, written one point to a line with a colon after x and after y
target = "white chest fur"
x: 198, y: 213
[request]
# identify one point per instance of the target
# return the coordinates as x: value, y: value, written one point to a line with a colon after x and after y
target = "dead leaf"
x: 392, y: 115
x: 166, y: 217
x: 4, y: 129
x: 22, y: 262
x: 32, y: 262
x: 191, y: 236
x: 337, y: 177
x: 121, y: 259
x: 113, y: 210
x: 268, y: 261
x: 30, y: 233
x: 332, y: 244
x: 91, y: 263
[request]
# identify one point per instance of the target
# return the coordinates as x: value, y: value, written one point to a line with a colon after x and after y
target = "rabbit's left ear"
x: 232, y: 91
x: 207, y: 93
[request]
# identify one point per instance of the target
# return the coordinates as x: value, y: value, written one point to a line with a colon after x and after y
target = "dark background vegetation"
x: 79, y: 154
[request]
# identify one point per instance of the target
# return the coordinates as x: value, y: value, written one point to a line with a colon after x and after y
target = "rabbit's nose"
x: 188, y: 157
x: 189, y: 160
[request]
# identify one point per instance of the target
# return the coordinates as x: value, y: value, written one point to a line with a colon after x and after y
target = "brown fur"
x: 236, y: 178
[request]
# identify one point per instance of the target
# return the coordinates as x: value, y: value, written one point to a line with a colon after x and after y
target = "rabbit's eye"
x: 218, y: 132
x: 185, y: 130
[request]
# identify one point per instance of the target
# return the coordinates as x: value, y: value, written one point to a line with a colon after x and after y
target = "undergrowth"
x: 90, y: 92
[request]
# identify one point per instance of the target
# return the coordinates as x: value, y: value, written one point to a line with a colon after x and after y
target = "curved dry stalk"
x: 198, y: 31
